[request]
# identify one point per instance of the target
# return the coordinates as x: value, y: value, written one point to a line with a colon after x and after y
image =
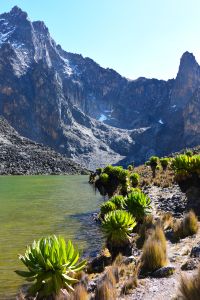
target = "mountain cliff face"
x: 89, y: 113
x: 21, y: 156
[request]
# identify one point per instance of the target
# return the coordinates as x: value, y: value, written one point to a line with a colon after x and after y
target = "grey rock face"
x: 21, y: 156
x: 91, y: 114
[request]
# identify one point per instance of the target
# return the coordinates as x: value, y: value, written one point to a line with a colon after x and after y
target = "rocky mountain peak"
x: 40, y: 25
x: 187, y: 63
x: 62, y: 99
x: 17, y: 12
x: 187, y: 80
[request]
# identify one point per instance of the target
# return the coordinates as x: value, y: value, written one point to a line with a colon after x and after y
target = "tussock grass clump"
x: 190, y: 223
x: 80, y: 293
x: 106, y: 288
x: 105, y: 291
x: 144, y: 230
x: 167, y: 220
x: 154, y: 254
x: 118, y: 260
x: 159, y: 236
x: 188, y: 226
x: 129, y: 285
x: 112, y: 275
x: 190, y: 287
x: 153, y: 257
x: 129, y: 277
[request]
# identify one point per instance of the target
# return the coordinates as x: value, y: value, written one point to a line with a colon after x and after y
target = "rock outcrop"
x: 21, y: 156
x: 91, y: 114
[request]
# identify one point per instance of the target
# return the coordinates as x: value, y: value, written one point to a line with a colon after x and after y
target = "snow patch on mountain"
x: 5, y: 36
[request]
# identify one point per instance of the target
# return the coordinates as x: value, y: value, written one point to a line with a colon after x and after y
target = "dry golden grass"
x: 105, y: 291
x: 159, y: 236
x: 162, y: 179
x: 144, y: 230
x: 190, y: 287
x: 79, y: 293
x: 111, y: 275
x: 154, y: 255
x: 167, y: 220
x: 129, y: 285
x: 190, y: 224
x: 186, y: 227
x: 118, y: 260
x: 128, y: 274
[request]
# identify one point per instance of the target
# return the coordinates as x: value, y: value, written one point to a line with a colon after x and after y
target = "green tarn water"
x: 35, y: 206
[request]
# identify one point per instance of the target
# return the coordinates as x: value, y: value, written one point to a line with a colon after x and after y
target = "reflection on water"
x: 34, y: 206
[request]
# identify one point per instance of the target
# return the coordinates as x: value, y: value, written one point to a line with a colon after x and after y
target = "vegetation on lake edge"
x: 52, y: 265
x: 125, y: 220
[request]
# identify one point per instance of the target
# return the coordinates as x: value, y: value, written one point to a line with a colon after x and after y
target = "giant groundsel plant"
x: 51, y: 265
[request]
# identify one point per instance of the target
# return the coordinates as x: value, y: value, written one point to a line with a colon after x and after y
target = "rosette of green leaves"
x: 106, y: 207
x: 118, y: 200
x: 117, y: 226
x: 135, y: 179
x: 138, y: 204
x: 51, y: 265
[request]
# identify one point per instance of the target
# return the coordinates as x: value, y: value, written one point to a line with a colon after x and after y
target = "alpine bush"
x: 135, y: 179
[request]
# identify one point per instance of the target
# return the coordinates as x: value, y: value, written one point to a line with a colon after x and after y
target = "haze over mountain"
x: 92, y: 114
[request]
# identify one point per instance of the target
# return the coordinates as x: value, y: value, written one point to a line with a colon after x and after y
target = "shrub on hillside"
x: 104, y: 178
x: 130, y: 167
x: 185, y: 166
x: 164, y: 161
x: 189, y: 153
x: 153, y: 162
x: 135, y: 179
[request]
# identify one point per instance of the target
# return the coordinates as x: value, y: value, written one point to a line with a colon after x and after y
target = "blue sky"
x: 134, y: 37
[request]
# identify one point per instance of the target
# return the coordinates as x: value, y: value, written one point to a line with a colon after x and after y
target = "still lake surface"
x: 35, y: 206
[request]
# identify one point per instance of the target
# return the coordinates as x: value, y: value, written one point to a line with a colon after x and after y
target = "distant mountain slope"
x: 21, y: 156
x: 91, y: 114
